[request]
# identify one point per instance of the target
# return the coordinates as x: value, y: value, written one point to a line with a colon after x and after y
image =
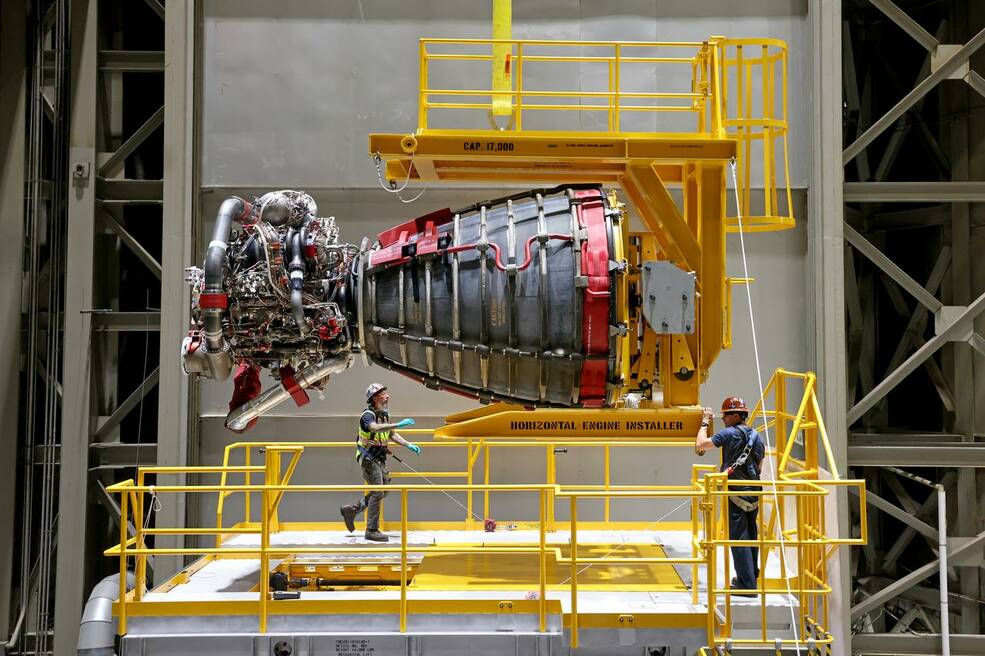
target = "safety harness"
x: 752, y: 472
x: 372, y: 445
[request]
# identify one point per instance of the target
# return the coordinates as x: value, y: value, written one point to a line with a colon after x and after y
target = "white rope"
x: 435, y: 485
x: 392, y: 188
x: 762, y: 400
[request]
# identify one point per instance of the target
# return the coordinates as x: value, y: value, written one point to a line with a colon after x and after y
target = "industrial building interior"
x: 222, y: 221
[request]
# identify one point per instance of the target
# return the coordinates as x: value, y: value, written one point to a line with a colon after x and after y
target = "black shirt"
x: 732, y: 441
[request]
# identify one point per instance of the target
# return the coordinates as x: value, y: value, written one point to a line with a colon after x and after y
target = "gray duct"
x: 217, y: 351
x: 97, y: 631
x: 239, y: 418
x: 296, y: 268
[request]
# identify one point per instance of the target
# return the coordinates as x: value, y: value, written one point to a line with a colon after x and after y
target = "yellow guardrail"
x: 732, y: 88
x: 793, y: 522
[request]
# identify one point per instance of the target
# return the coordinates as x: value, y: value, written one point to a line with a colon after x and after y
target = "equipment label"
x: 348, y: 647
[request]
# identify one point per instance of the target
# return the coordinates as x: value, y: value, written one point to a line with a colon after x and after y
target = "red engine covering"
x: 595, y: 310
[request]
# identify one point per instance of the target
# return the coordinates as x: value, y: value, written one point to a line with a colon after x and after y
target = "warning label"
x: 348, y: 647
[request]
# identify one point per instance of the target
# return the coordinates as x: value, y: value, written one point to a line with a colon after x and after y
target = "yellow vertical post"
x: 122, y: 613
x: 711, y: 533
x: 502, y: 21
x: 574, y: 572
x: 264, y: 558
x: 710, y: 210
x: 485, y: 493
x: 403, y: 561
x: 141, y: 568
x: 767, y: 133
x: 742, y: 145
x: 747, y: 161
x: 518, y: 124
x: 618, y: 63
x: 542, y: 606
x: 780, y: 397
x: 607, y: 481
x: 610, y: 101
x: 422, y: 85
x: 469, y: 519
x: 248, y: 515
x: 551, y: 478
x: 272, y: 477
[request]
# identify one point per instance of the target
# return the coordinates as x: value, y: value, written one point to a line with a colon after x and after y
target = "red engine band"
x: 213, y: 301
x: 595, y: 309
x: 291, y: 385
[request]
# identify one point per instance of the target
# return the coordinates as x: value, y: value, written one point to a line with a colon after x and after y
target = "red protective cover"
x: 291, y: 385
x: 246, y: 387
x: 414, y: 226
x: 595, y: 309
x: 219, y: 300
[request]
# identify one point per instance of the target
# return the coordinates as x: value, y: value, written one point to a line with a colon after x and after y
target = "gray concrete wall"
x: 289, y: 100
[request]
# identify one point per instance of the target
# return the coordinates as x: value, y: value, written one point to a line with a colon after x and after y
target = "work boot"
x: 376, y: 536
x: 735, y: 585
x: 349, y: 517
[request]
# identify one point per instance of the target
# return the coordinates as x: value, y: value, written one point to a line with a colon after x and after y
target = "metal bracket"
x: 627, y: 630
x: 505, y: 619
x: 668, y: 298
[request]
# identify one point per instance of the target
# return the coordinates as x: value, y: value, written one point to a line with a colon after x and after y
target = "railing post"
x: 422, y: 85
x: 485, y: 481
x: 247, y: 514
x: 574, y: 571
x: 542, y: 606
x: 124, y: 536
x: 140, y: 572
x: 518, y: 108
x: 711, y: 552
x: 403, y: 560
x: 264, y: 558
x: 551, y: 479
x: 617, y: 97
x: 607, y: 481
x: 469, y: 520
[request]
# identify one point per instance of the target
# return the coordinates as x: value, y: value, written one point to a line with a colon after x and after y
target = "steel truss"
x: 91, y: 199
x: 910, y: 309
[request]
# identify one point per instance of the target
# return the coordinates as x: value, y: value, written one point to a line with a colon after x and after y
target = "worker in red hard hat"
x: 742, y: 459
x: 375, y: 433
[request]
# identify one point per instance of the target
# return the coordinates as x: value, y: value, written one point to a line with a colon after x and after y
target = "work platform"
x: 567, y: 579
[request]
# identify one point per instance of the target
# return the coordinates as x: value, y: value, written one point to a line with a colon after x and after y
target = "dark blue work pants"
x: 742, y: 525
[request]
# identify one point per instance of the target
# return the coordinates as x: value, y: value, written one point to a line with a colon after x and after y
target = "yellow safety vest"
x: 374, y: 444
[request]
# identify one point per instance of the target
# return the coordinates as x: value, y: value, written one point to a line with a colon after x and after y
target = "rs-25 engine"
x: 276, y: 292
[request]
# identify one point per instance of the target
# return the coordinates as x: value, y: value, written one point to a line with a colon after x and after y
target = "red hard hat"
x: 734, y: 404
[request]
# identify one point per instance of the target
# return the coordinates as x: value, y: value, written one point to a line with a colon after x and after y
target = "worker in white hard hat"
x: 375, y: 433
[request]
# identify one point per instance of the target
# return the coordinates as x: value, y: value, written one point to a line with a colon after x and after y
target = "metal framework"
x: 795, y: 523
x: 920, y: 348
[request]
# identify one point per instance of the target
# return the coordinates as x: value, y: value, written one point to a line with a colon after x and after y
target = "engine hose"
x: 296, y: 268
x: 231, y: 208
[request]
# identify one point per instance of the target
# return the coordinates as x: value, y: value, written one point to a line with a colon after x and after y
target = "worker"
x: 742, y: 459
x: 375, y: 433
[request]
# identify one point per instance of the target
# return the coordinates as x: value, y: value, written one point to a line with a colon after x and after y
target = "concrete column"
x: 827, y: 252
x: 180, y: 182
x: 76, y: 416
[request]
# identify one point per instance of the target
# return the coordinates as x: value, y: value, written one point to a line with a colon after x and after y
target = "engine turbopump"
x: 275, y: 292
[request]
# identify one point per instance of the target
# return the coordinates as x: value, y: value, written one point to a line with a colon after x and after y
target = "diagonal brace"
x: 889, y: 268
x: 661, y: 216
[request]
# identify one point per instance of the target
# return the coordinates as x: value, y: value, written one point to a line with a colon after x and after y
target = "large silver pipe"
x: 239, y: 418
x: 97, y: 630
x: 942, y: 550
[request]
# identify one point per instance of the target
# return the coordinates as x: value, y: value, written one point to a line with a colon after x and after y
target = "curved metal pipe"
x: 296, y: 267
x: 97, y: 630
x: 239, y: 418
x: 216, y: 349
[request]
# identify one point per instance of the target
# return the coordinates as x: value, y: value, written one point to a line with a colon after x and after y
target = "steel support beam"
x: 946, y: 68
x: 131, y: 61
x: 907, y: 24
x: 13, y: 90
x: 914, y: 192
x: 120, y: 322
x: 892, y: 509
x: 131, y: 242
x: 915, y: 360
x: 914, y: 577
x: 952, y: 454
x: 826, y: 246
x: 174, y: 417
x: 889, y: 267
x: 75, y: 429
x: 127, y: 406
x: 899, y: 644
x: 976, y: 82
x: 110, y: 166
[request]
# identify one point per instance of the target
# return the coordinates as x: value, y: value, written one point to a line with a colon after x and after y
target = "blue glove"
x: 405, y: 422
x: 413, y: 447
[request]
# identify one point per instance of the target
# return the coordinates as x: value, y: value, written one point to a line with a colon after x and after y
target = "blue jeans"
x: 742, y: 525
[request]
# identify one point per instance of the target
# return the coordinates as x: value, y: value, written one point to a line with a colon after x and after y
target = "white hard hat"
x: 373, y: 390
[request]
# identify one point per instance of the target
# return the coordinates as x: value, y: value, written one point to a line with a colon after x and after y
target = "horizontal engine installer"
x: 375, y: 433
x: 742, y: 459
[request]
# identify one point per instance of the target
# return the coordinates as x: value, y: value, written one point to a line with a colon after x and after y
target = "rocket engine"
x: 511, y: 300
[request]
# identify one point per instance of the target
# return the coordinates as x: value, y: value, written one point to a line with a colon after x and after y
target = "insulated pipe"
x: 296, y: 268
x: 942, y: 550
x: 239, y: 418
x: 97, y: 630
x: 216, y: 351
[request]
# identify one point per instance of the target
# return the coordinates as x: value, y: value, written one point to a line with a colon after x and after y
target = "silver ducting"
x: 97, y: 630
x: 239, y: 418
